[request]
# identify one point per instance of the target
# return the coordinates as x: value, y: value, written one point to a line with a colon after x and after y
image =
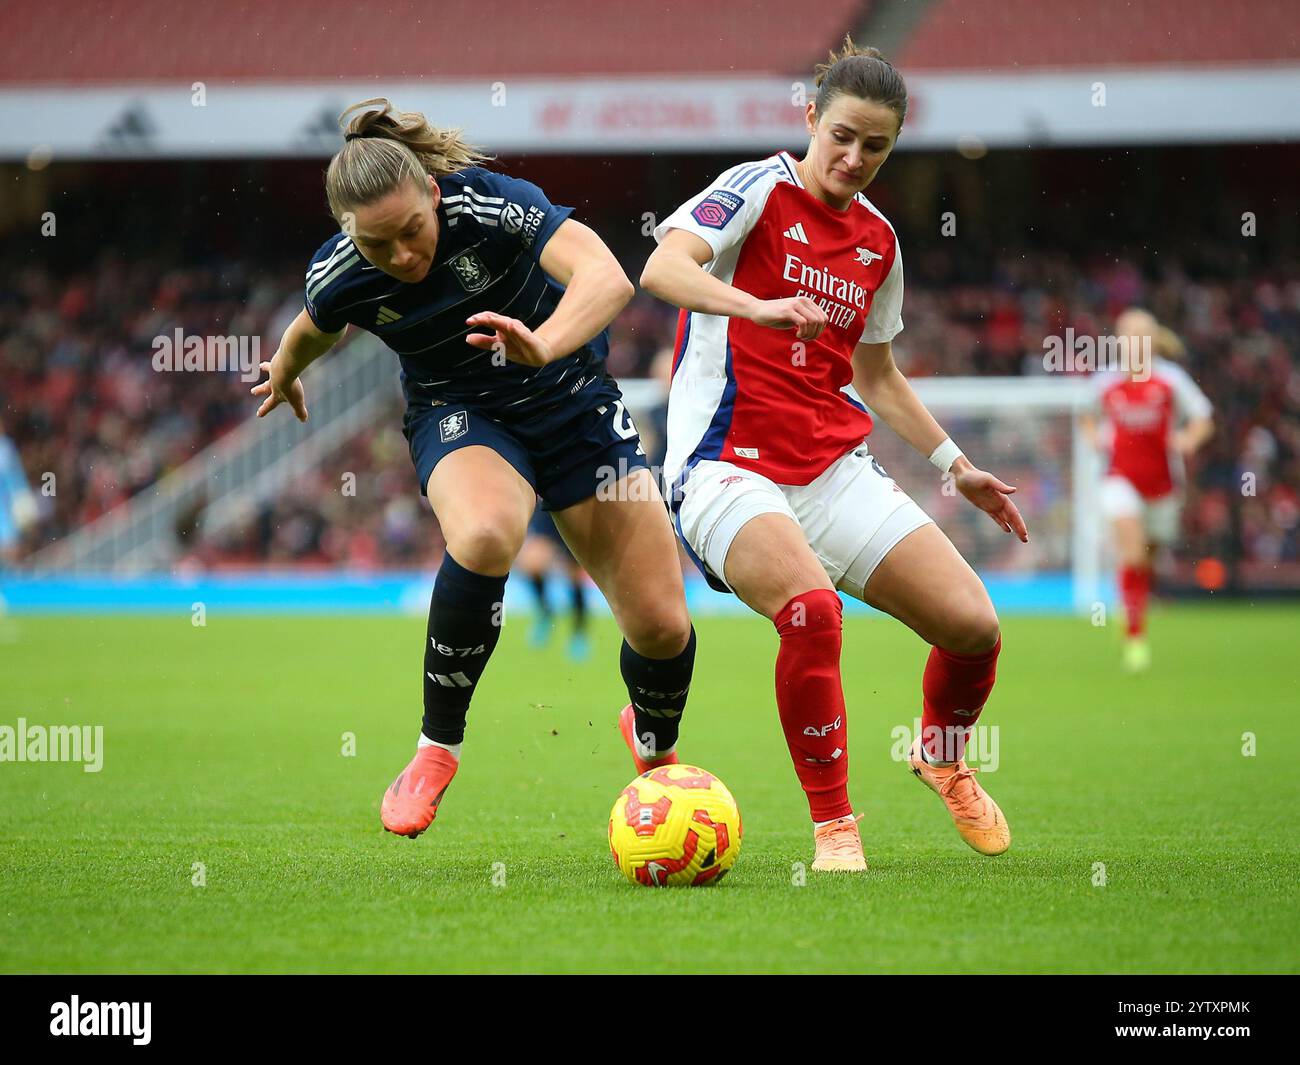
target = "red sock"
x: 1134, y: 588
x: 954, y: 690
x: 811, y: 700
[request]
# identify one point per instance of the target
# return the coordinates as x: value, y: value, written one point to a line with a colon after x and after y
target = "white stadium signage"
x: 994, y: 109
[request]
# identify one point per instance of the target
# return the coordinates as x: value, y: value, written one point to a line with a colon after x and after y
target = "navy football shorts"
x: 542, y: 524
x: 566, y: 454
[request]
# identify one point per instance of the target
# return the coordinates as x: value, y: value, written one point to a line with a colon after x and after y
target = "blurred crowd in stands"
x: 93, y: 422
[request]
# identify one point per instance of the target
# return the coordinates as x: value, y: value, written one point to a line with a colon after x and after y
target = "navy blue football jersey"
x: 492, y: 229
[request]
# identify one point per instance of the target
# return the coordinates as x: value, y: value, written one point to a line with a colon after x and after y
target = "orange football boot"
x: 627, y: 726
x: 839, y: 846
x: 977, y: 817
x: 411, y: 801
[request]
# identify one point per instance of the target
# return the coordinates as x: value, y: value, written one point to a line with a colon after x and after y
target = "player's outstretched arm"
x: 675, y: 273
x: 882, y: 386
x: 595, y: 290
x: 302, y: 344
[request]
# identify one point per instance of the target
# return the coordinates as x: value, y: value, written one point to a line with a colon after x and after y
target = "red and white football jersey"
x: 759, y: 397
x: 1140, y: 418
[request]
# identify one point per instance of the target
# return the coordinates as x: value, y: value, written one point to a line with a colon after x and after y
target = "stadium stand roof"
x: 1029, y: 34
x: 317, y: 40
x: 152, y: 79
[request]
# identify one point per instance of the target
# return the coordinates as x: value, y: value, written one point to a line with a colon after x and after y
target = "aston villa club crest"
x: 470, y: 271
x: 453, y: 426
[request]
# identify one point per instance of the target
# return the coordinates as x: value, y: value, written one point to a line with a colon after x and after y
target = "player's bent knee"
x: 986, y: 634
x: 974, y: 631
x: 486, y: 545
x: 963, y: 621
x: 659, y: 633
x: 817, y: 612
x: 769, y: 588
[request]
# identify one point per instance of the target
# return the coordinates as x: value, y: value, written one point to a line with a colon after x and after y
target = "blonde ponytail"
x: 383, y: 148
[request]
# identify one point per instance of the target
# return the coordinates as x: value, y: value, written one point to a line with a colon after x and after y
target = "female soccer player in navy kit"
x: 772, y: 486
x: 497, y: 303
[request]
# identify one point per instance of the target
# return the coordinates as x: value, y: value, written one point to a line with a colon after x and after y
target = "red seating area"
x: 64, y: 41
x: 86, y: 41
x: 1007, y: 34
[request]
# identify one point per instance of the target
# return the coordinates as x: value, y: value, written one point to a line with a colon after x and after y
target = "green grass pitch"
x: 223, y: 746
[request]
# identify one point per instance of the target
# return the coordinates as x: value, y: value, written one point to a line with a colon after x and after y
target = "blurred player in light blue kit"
x: 543, y: 548
x: 17, y: 502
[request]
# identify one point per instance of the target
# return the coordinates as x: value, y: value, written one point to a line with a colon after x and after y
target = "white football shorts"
x: 1161, y: 518
x: 853, y: 514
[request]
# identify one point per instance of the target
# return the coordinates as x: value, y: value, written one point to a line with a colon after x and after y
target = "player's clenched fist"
x: 799, y: 313
x: 277, y: 392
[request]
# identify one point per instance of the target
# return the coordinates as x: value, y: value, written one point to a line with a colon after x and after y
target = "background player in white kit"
x: 1154, y: 417
x: 771, y: 484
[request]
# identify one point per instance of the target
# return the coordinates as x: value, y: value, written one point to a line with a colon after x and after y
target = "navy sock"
x: 657, y: 688
x: 466, y: 612
x: 579, y: 605
x: 539, y: 590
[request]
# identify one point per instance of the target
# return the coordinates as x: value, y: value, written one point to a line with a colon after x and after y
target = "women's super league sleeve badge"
x: 717, y: 208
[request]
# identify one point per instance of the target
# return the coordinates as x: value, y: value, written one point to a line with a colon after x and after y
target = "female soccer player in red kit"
x: 772, y: 487
x: 1154, y: 417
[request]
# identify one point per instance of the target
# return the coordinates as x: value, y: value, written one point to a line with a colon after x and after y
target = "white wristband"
x: 945, y: 455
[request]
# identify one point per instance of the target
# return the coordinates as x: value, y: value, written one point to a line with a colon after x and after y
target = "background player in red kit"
x: 1154, y: 417
x: 791, y: 284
